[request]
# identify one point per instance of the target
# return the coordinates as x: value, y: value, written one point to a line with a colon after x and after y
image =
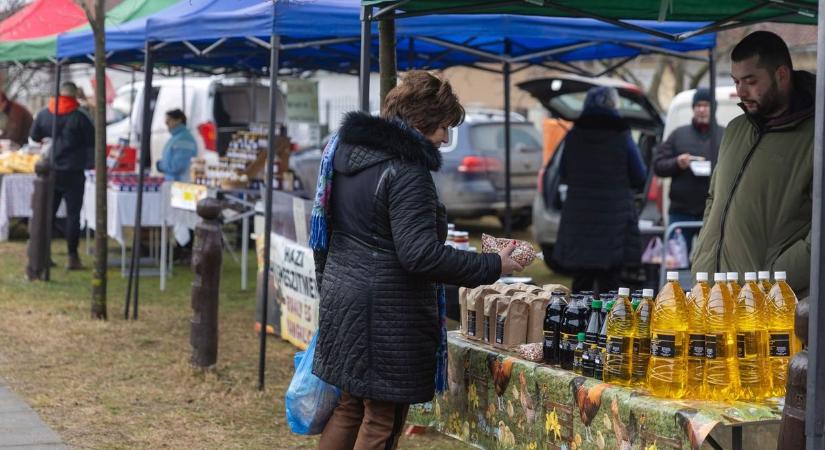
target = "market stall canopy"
x: 216, y: 38
x: 130, y: 36
x: 723, y: 14
x: 42, y: 18
x: 44, y: 48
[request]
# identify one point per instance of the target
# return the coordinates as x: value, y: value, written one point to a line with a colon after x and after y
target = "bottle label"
x: 663, y: 346
x: 641, y: 346
x: 696, y: 345
x: 499, y: 329
x: 780, y: 344
x: 740, y: 345
x: 568, y: 342
x: 617, y: 345
x: 710, y: 346
x: 588, y: 365
x: 591, y: 338
x: 471, y: 323
x: 602, y: 340
x: 487, y: 328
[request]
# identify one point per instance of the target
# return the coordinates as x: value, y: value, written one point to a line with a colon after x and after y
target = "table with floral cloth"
x: 498, y: 400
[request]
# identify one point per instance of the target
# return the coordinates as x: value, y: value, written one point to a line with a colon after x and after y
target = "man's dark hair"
x: 769, y: 47
x: 176, y: 114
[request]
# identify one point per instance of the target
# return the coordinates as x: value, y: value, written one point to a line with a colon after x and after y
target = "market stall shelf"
x: 15, y: 200
x: 498, y: 400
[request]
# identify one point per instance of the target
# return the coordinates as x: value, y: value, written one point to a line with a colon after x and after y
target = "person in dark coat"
x: 73, y: 154
x: 15, y: 121
x: 378, y: 233
x: 601, y: 165
x: 698, y: 141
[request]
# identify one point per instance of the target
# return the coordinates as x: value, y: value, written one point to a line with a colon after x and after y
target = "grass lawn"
x: 128, y: 384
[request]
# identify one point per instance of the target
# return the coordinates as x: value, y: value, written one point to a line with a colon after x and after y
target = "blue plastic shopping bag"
x: 309, y: 400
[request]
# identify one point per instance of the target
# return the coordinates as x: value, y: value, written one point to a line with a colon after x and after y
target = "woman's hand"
x: 508, y: 265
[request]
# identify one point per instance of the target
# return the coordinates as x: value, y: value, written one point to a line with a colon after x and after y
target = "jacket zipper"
x: 730, y: 197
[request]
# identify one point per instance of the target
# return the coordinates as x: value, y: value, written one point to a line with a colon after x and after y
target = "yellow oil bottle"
x: 765, y: 282
x: 643, y: 312
x: 782, y: 342
x: 620, y: 327
x: 752, y: 341
x: 697, y: 300
x: 733, y: 284
x: 666, y: 372
x: 721, y: 365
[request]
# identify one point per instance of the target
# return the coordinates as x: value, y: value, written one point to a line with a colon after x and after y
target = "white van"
x: 215, y: 108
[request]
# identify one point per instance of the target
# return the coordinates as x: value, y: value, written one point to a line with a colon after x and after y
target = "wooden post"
x: 207, y: 258
x: 37, y: 248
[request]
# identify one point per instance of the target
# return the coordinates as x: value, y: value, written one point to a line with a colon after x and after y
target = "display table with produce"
x: 16, y: 198
x: 497, y: 399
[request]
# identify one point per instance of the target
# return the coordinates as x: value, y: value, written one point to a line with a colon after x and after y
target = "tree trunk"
x: 99, y: 280
x: 386, y: 57
x: 656, y: 83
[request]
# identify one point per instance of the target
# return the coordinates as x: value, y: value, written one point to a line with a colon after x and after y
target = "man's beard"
x: 769, y: 104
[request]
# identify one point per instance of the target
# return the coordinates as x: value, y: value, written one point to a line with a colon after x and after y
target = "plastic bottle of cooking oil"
x: 600, y: 350
x: 765, y: 282
x: 578, y: 352
x: 732, y: 279
x: 620, y: 327
x: 697, y: 299
x: 782, y: 342
x: 666, y: 373
x: 752, y: 341
x: 643, y: 312
x: 721, y: 365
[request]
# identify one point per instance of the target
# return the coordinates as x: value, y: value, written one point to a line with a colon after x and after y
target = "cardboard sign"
x: 293, y: 269
x: 186, y: 196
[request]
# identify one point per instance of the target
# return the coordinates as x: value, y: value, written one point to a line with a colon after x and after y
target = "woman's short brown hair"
x: 424, y: 101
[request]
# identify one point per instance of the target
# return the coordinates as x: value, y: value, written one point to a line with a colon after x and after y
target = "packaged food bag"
x: 490, y: 308
x: 523, y: 253
x: 535, y: 321
x: 475, y: 310
x: 309, y: 400
x: 511, y: 323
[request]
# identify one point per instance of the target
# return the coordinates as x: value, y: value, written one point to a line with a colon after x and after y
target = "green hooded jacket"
x: 758, y: 211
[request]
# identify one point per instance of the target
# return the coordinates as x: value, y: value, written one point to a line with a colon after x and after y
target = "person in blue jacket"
x: 179, y: 150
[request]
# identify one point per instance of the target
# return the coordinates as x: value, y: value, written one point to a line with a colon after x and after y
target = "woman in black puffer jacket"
x: 379, y: 326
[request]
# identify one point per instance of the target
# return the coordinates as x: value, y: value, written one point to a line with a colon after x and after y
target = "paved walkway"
x: 21, y: 427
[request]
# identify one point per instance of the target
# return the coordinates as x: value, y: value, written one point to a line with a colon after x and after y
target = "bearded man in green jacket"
x: 758, y: 211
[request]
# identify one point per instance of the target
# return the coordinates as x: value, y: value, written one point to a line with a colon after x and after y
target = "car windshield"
x: 489, y: 138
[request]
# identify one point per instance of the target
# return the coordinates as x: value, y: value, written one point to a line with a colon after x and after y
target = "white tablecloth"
x: 15, y: 200
x: 122, y: 207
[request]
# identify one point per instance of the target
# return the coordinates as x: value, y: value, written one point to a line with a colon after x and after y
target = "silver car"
x: 564, y: 98
x: 471, y: 181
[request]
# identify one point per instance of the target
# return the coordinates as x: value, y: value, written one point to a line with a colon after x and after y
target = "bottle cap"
x: 610, y: 305
x: 733, y: 276
x: 720, y: 277
x: 580, y: 336
x: 648, y: 292
x: 764, y: 275
x: 597, y: 304
x: 673, y: 276
x: 624, y: 292
x: 750, y: 276
x: 701, y: 276
x: 780, y: 276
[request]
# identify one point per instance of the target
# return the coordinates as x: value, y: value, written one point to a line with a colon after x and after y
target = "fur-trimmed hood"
x: 369, y: 140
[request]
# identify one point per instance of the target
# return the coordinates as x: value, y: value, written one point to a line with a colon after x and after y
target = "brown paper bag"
x: 462, y: 308
x: 475, y: 311
x: 549, y: 288
x: 490, y: 309
x: 511, y: 323
x: 535, y: 321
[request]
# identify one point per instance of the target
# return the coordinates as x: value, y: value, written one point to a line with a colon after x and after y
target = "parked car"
x: 471, y: 180
x: 215, y: 107
x: 563, y: 96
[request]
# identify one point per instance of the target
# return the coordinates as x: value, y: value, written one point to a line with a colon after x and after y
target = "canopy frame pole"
x: 50, y: 215
x: 610, y: 69
x: 662, y: 51
x: 318, y: 43
x: 712, y: 79
x: 550, y: 51
x: 508, y: 208
x: 445, y: 10
x: 145, y: 137
x: 192, y: 48
x: 364, y: 72
x: 815, y: 411
x: 131, y: 108
x: 270, y: 161
x: 213, y: 46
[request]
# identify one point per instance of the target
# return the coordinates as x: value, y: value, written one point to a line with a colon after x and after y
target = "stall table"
x: 498, y: 400
x: 15, y: 200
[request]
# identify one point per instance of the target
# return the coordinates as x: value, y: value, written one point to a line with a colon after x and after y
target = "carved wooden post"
x: 37, y: 249
x: 792, y: 427
x: 207, y: 258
